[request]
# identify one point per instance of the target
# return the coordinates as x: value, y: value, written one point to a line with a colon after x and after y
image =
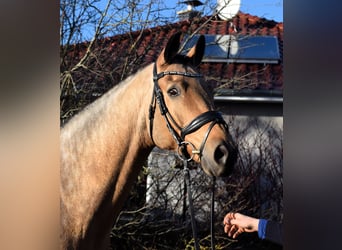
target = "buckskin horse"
x: 166, y: 104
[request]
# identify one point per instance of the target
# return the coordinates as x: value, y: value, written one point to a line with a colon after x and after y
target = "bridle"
x: 214, y: 117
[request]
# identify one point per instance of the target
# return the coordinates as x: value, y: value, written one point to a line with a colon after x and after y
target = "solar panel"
x: 238, y: 49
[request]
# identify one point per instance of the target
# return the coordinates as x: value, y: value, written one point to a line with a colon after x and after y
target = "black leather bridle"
x: 214, y: 117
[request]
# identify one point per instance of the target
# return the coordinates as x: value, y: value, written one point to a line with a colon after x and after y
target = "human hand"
x: 236, y: 223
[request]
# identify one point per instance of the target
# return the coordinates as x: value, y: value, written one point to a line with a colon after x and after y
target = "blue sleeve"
x: 274, y: 232
x: 270, y: 230
x: 262, y: 228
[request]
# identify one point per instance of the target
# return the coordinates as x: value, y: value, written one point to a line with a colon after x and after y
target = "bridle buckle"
x: 183, y: 153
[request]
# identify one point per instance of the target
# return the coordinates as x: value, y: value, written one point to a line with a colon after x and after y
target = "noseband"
x: 214, y: 117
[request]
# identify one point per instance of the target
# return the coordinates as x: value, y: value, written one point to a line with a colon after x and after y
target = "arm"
x: 236, y: 223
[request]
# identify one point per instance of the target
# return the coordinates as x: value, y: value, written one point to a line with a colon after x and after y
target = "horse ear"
x: 172, y: 47
x: 196, y: 53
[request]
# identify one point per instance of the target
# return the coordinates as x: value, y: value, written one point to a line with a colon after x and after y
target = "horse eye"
x: 173, y: 92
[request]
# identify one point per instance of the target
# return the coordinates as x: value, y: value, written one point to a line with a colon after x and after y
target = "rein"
x: 210, y: 116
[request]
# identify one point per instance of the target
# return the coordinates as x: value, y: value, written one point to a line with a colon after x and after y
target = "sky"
x: 270, y: 9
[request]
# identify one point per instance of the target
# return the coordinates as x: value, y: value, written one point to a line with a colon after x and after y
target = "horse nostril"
x: 221, y: 155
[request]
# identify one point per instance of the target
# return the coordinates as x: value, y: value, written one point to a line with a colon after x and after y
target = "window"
x: 238, y: 49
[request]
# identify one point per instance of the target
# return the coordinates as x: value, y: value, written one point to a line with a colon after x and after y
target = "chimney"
x: 190, y: 13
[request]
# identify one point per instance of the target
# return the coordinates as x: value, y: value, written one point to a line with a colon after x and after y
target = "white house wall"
x: 165, y: 183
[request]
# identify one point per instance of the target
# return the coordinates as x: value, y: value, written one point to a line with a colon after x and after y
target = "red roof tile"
x: 124, y: 54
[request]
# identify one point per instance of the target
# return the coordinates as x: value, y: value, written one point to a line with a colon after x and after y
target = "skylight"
x: 238, y: 49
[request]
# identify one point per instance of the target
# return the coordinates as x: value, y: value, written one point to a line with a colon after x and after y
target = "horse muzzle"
x: 217, y: 156
x: 219, y: 160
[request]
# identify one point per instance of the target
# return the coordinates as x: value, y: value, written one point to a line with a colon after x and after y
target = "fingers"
x: 232, y: 230
x: 237, y: 232
x: 231, y: 226
x: 227, y: 219
x: 229, y: 229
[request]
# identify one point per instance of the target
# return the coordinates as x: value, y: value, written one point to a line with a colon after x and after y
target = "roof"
x: 124, y: 54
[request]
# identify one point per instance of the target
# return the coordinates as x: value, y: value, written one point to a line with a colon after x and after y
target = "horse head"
x: 182, y: 115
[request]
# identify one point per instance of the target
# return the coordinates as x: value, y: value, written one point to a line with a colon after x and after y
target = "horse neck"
x: 103, y: 148
x: 131, y: 119
x: 118, y: 118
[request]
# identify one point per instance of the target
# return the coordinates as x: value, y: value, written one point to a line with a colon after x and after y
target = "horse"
x: 166, y: 104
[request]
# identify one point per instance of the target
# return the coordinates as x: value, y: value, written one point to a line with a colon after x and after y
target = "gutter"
x: 249, y: 96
